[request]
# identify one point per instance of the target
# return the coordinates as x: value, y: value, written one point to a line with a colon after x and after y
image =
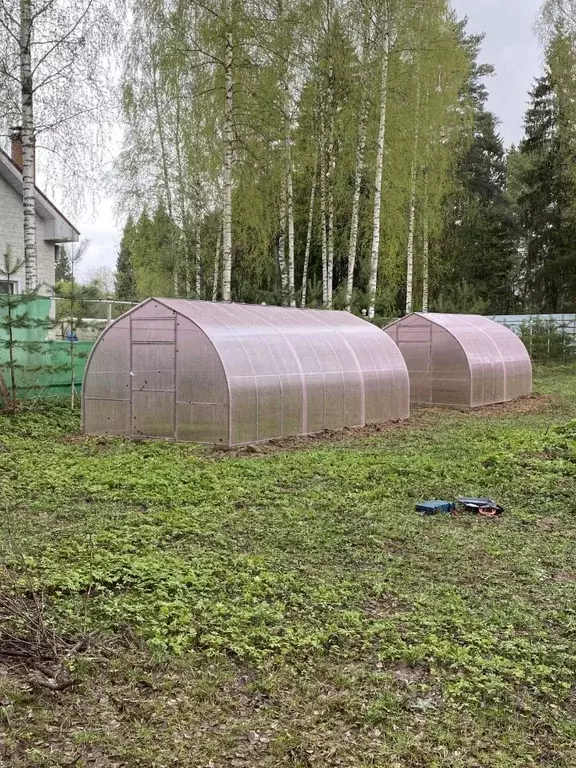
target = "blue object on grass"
x: 435, y: 507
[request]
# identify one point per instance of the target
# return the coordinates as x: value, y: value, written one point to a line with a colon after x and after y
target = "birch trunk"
x: 282, y: 247
x: 425, y: 248
x: 323, y: 215
x: 360, y: 149
x: 198, y: 261
x: 182, y: 205
x: 28, y: 147
x: 412, y: 216
x: 290, y: 222
x: 330, y: 221
x: 216, y: 272
x: 309, y: 238
x: 375, y: 250
x: 228, y: 161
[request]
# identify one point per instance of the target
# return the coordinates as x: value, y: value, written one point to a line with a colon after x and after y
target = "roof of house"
x: 57, y: 228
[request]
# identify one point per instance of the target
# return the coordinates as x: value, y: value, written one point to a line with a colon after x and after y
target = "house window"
x: 8, y: 287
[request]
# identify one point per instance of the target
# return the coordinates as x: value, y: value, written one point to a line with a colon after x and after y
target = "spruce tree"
x: 63, y: 273
x: 125, y: 286
x: 548, y: 181
x: 479, y: 242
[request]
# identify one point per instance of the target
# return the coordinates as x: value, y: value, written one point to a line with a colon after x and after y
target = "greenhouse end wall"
x: 234, y: 374
x: 461, y: 360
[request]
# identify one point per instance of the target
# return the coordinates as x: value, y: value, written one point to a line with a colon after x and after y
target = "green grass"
x: 289, y: 608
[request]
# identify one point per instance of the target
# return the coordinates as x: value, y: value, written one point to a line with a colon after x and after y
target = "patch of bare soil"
x: 327, y: 436
x: 526, y: 404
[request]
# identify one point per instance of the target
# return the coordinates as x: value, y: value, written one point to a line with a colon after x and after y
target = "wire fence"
x: 546, y: 337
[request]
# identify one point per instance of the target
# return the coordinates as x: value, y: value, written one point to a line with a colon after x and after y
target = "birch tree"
x: 355, y: 218
x: 308, y: 247
x: 425, y: 247
x: 413, y: 182
x: 385, y: 33
x: 52, y: 56
x: 253, y: 95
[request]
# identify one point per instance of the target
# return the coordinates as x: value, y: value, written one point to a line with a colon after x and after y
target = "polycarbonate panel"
x: 151, y: 309
x: 110, y: 368
x: 248, y: 373
x: 152, y: 330
x: 269, y: 393
x: 153, y: 414
x: 199, y: 374
x: 153, y: 367
x: 109, y: 417
x: 243, y: 410
x: 472, y: 360
x: 202, y: 423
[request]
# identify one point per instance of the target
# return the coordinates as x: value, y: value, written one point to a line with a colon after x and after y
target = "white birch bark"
x: 412, y: 215
x: 182, y: 205
x: 323, y: 216
x: 197, y: 261
x: 375, y: 250
x: 425, y: 248
x: 330, y: 219
x: 228, y: 160
x: 360, y: 149
x: 282, y: 266
x: 309, y: 237
x: 28, y: 147
x: 216, y: 273
x: 290, y: 222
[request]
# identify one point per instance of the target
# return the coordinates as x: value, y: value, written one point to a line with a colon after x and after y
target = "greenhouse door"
x: 153, y: 378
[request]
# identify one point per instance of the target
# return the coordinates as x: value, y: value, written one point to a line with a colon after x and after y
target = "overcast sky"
x: 509, y: 44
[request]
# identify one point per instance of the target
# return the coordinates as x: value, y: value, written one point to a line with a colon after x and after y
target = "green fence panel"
x: 44, y: 370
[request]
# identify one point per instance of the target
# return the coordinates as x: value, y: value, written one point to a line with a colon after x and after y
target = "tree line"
x: 335, y: 153
x: 341, y: 154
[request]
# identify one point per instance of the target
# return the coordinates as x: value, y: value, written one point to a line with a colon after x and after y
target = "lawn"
x: 287, y: 606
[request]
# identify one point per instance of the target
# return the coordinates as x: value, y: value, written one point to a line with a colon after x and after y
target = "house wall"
x: 12, y: 235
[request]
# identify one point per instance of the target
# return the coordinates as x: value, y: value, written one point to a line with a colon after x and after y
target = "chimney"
x: 16, y: 146
x: 16, y: 149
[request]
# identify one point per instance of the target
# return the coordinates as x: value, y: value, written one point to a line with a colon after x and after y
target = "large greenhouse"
x: 461, y: 360
x: 233, y: 374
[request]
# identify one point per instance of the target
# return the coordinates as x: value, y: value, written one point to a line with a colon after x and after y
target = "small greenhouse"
x: 461, y: 360
x: 232, y: 374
